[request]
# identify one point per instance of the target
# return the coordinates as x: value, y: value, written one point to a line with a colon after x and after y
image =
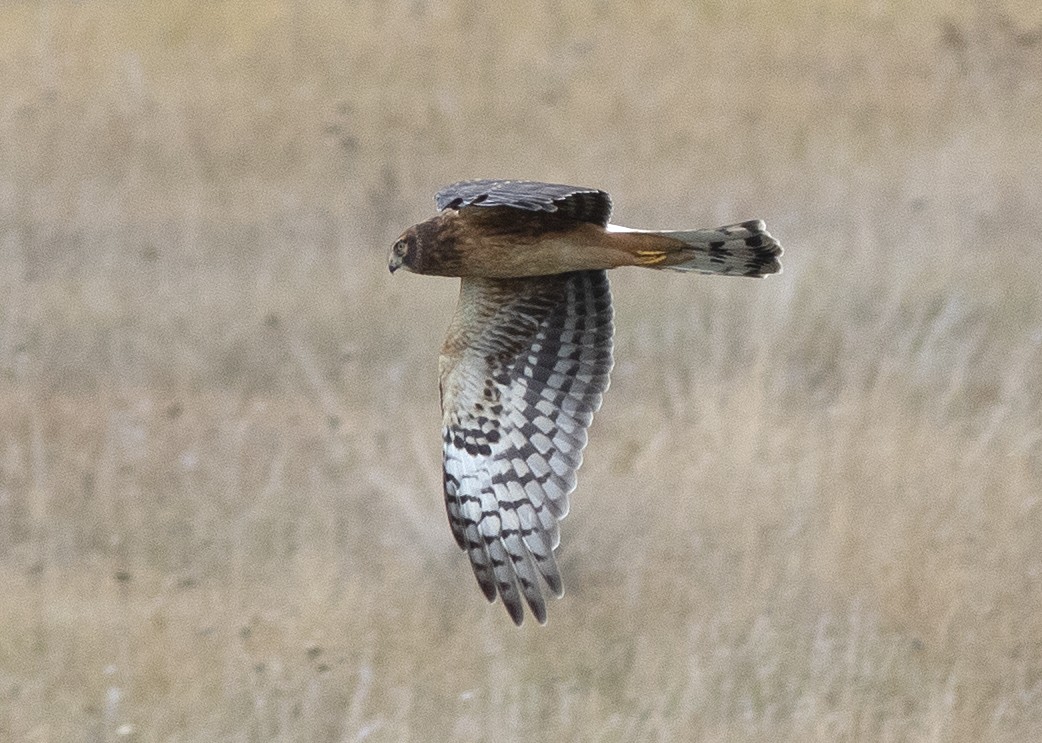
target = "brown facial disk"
x: 428, y: 248
x: 403, y: 252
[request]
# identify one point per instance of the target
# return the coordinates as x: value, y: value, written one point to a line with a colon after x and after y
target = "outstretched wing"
x: 522, y: 372
x: 568, y: 202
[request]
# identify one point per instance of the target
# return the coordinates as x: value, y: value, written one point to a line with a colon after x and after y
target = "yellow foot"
x: 650, y: 257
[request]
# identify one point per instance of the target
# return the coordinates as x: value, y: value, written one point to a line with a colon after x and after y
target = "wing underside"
x: 524, y: 368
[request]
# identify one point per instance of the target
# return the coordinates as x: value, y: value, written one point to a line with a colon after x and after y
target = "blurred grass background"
x: 811, y: 505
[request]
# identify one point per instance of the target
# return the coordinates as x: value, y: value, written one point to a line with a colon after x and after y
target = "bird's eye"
x: 401, y: 248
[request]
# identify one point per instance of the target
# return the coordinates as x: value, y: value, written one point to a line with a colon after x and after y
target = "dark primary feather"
x: 571, y: 202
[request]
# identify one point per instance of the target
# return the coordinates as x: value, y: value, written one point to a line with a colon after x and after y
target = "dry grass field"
x: 811, y: 509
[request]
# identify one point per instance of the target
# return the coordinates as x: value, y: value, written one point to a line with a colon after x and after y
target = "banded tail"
x: 743, y: 249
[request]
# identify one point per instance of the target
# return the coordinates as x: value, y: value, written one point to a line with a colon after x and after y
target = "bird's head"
x: 427, y: 248
x: 404, y: 252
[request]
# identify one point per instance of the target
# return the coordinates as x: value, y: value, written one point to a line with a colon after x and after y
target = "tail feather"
x: 743, y: 249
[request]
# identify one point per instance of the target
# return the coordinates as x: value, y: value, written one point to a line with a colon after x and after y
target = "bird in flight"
x: 529, y: 351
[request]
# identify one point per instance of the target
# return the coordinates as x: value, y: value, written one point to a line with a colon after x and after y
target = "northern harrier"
x: 529, y: 351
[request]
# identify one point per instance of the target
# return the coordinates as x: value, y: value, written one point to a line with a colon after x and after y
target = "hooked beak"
x: 394, y: 263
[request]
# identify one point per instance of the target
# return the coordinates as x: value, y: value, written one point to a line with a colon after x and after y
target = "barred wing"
x: 573, y: 203
x: 522, y: 373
